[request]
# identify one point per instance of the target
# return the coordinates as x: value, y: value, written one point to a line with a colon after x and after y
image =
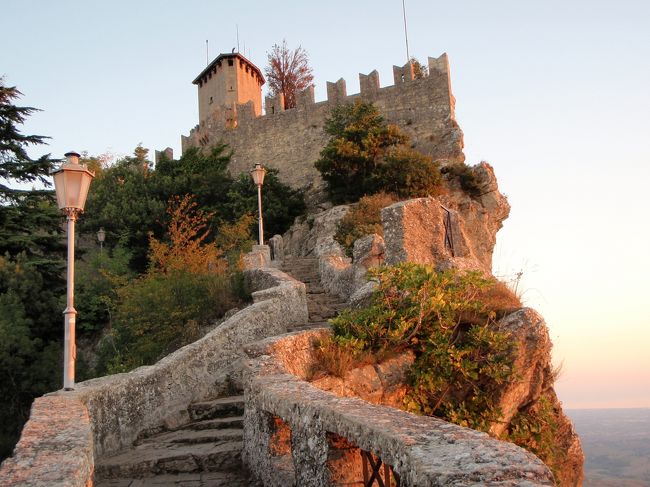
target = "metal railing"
x: 372, y: 471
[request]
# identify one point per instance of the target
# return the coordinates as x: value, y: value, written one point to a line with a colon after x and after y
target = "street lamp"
x: 101, y: 236
x: 257, y: 174
x: 71, y: 182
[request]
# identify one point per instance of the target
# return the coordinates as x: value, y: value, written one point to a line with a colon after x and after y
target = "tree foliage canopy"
x: 288, y: 72
x: 15, y: 163
x: 365, y: 155
x: 447, y: 320
x: 31, y: 271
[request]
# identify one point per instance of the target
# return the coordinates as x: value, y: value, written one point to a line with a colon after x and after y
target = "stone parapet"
x: 67, y: 430
x: 55, y: 447
x: 296, y: 434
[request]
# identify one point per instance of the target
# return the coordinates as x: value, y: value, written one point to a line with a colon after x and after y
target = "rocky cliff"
x: 453, y: 230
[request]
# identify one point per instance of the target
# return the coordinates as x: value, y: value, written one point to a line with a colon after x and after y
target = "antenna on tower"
x: 207, y: 53
x: 406, y: 36
x: 237, y: 27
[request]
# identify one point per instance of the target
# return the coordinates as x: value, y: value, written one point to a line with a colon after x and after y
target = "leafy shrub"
x: 409, y: 174
x: 460, y: 364
x: 188, y: 285
x: 362, y: 219
x: 365, y: 155
x: 98, y: 277
x: 536, y: 430
x: 466, y: 177
x: 159, y: 313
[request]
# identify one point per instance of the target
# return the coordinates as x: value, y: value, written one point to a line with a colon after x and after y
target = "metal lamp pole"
x: 71, y: 182
x: 101, y: 236
x: 258, y: 174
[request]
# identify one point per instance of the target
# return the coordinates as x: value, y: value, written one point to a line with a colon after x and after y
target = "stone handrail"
x: 68, y: 430
x: 296, y: 434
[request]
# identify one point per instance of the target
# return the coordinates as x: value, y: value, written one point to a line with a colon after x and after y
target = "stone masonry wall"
x: 296, y: 434
x: 67, y: 430
x: 291, y: 140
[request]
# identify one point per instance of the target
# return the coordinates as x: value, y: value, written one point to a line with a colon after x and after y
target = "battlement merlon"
x: 274, y: 104
x: 306, y: 97
x: 369, y: 84
x: 440, y: 66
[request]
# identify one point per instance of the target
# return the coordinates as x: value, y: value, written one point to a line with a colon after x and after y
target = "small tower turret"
x: 229, y: 80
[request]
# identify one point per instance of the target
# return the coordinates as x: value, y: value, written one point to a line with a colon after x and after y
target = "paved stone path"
x: 207, y: 451
x: 321, y: 304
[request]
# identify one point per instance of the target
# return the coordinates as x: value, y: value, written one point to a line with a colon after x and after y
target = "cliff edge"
x: 452, y: 230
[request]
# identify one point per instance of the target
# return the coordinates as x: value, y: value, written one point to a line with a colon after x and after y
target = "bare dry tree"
x: 288, y: 72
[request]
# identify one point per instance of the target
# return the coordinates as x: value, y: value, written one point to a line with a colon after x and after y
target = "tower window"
x: 230, y: 63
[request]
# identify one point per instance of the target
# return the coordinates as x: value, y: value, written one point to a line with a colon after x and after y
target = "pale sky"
x: 554, y: 94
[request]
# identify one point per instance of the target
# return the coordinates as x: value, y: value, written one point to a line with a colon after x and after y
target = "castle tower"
x: 227, y: 81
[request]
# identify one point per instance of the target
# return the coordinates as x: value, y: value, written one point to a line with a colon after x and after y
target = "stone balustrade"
x: 296, y: 434
x: 68, y: 430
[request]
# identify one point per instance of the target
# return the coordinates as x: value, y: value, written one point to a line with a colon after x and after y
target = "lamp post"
x: 71, y: 182
x: 257, y: 173
x: 101, y: 236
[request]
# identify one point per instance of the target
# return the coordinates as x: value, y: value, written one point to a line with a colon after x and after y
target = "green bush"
x: 188, y: 285
x: 409, y: 174
x: 536, y: 429
x: 160, y: 313
x: 362, y: 219
x: 462, y: 358
x: 466, y: 177
x: 365, y: 155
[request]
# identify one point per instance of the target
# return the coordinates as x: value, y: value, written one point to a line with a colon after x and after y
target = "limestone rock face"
x: 382, y: 383
x: 453, y: 230
x: 532, y: 364
x: 308, y: 234
x: 533, y: 384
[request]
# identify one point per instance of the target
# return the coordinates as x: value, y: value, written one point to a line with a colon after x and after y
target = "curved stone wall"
x: 296, y: 434
x: 67, y: 430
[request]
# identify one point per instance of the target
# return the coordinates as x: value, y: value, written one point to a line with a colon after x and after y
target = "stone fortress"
x: 236, y: 407
x: 230, y: 100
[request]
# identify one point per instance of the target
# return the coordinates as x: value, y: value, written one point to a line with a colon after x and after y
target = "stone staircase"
x: 207, y: 451
x: 321, y: 304
x: 203, y: 453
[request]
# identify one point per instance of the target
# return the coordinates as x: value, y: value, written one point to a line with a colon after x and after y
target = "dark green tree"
x: 365, y: 155
x: 127, y: 201
x: 280, y: 203
x: 203, y: 175
x: 15, y: 163
x: 31, y: 271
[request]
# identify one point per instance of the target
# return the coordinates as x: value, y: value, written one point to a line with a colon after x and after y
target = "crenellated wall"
x: 291, y: 140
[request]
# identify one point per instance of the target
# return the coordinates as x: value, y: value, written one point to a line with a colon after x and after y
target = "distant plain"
x: 616, y: 443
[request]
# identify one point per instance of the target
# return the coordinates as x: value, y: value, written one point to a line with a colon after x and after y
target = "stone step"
x: 203, y: 479
x: 328, y: 309
x: 151, y: 459
x: 306, y: 278
x: 218, y: 423
x: 217, y: 408
x: 192, y: 436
